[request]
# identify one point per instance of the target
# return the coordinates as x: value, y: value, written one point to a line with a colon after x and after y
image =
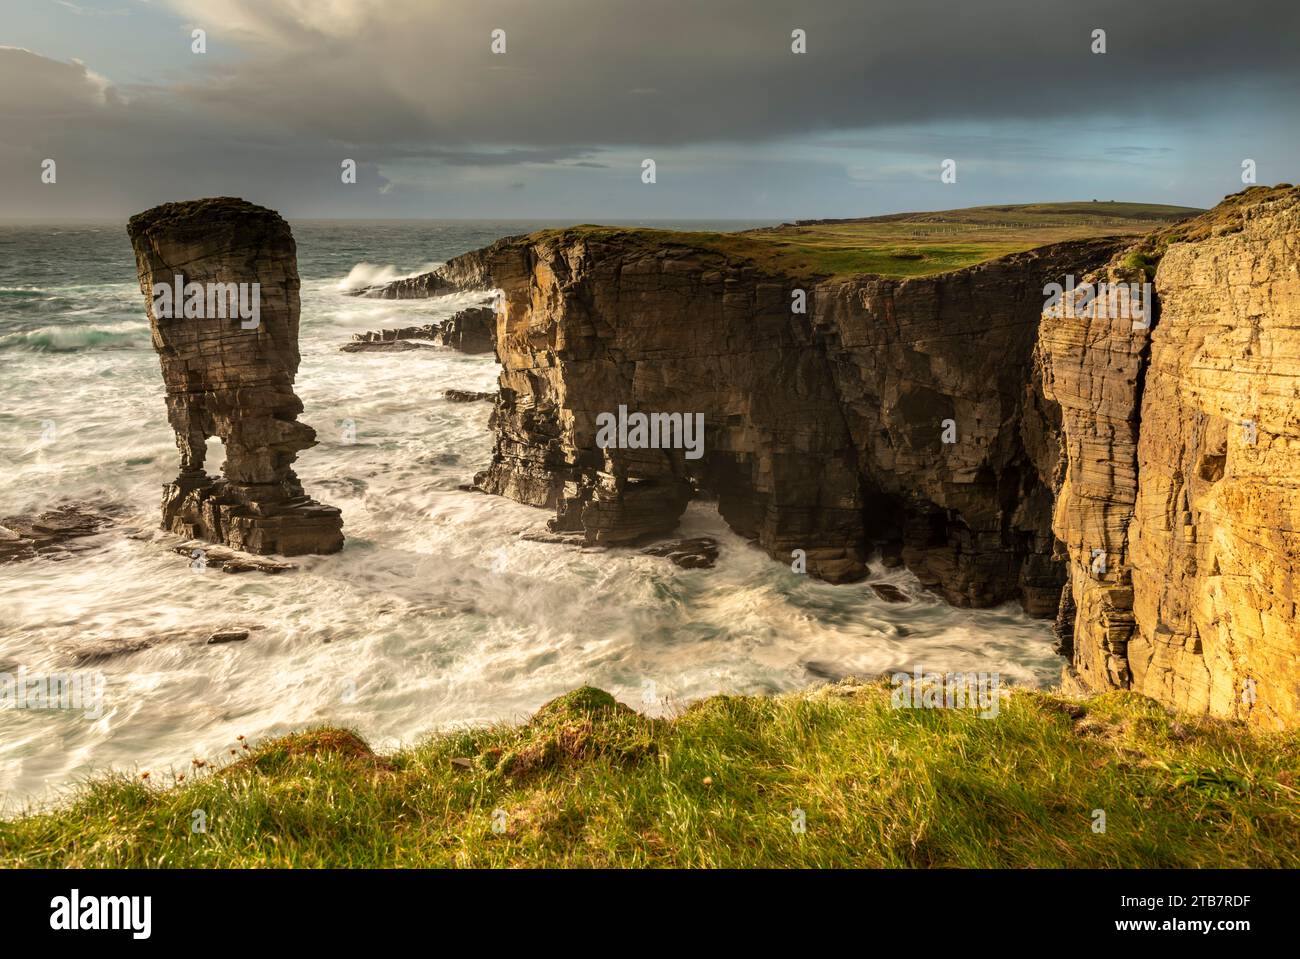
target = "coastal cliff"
x: 889, y: 414
x: 1182, y: 469
x: 1137, y: 481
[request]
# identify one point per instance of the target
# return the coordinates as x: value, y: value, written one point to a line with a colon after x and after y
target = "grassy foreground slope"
x: 589, y: 782
x: 910, y: 244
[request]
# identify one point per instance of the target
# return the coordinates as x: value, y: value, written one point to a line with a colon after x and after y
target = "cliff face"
x: 1183, y: 465
x: 231, y: 375
x: 952, y: 443
x: 1133, y: 473
x: 1090, y: 365
x: 889, y: 412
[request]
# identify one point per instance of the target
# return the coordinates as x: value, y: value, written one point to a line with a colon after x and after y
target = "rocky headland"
x: 1137, y: 480
x: 1179, y: 503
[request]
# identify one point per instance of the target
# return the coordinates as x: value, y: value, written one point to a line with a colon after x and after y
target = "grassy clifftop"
x: 589, y: 782
x: 908, y: 244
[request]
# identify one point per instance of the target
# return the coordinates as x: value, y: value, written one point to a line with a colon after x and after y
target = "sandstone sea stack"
x: 230, y: 376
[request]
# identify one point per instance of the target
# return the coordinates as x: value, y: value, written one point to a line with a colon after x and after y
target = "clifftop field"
x: 833, y: 777
x: 915, y: 244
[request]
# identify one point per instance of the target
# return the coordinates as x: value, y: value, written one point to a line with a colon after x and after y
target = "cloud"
x: 491, y: 158
x: 411, y: 90
x: 36, y: 89
x: 93, y: 11
x: 724, y: 71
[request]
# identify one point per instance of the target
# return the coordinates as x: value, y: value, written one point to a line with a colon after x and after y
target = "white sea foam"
x: 69, y: 336
x: 371, y: 274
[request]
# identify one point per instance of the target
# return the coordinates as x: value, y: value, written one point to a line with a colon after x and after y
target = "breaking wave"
x: 72, y: 338
x: 372, y: 274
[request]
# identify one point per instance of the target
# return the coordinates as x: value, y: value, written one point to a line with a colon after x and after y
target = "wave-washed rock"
x: 53, y: 533
x: 467, y: 396
x: 471, y: 330
x: 97, y: 650
x: 231, y: 377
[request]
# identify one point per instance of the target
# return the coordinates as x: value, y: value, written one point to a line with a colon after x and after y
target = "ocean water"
x: 436, y: 613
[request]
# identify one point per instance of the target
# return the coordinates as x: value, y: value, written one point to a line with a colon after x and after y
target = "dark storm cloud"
x: 680, y: 71
x: 411, y: 90
x: 486, y: 158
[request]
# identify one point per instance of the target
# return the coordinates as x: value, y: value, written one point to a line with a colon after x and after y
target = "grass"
x: 1227, y: 217
x: 904, y: 244
x: 589, y: 782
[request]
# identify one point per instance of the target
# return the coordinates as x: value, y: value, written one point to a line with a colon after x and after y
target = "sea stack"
x: 220, y: 280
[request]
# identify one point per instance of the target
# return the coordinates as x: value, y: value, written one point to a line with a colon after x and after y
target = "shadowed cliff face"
x: 895, y: 413
x: 232, y: 377
x: 1182, y: 466
x: 953, y: 446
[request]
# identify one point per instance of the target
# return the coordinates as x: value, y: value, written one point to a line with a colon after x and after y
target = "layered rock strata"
x: 1090, y: 363
x: 890, y: 412
x: 464, y: 274
x: 54, y: 532
x: 1181, y: 469
x: 1131, y: 470
x: 471, y: 330
x: 231, y: 378
x: 392, y: 341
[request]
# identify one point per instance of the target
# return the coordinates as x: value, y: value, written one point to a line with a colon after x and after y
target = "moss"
x: 312, y: 745
x: 576, y: 727
x: 1143, y: 260
x: 583, y: 701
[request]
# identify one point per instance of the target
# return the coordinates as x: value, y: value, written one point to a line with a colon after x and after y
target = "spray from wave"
x: 372, y: 274
x: 69, y: 338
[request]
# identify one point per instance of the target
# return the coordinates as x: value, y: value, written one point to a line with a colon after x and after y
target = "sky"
x: 557, y: 121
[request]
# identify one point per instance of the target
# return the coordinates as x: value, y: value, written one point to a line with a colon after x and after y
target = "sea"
x: 436, y: 614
